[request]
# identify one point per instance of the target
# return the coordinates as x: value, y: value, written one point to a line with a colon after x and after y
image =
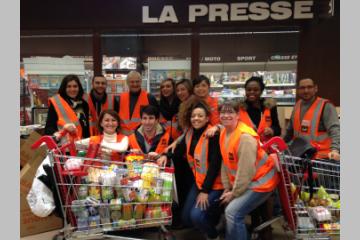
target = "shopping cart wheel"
x: 59, y: 236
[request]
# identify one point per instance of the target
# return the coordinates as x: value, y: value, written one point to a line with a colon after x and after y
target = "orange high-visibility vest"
x: 264, y: 122
x: 115, y: 156
x: 309, y: 125
x: 214, y: 117
x: 266, y: 177
x: 172, y: 127
x: 129, y: 124
x: 199, y: 163
x: 160, y: 148
x: 65, y: 114
x: 93, y: 116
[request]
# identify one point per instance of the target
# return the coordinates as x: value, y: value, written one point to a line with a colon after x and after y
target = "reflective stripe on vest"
x: 199, y: 163
x: 65, y: 114
x: 129, y: 123
x: 265, y: 178
x: 313, y: 115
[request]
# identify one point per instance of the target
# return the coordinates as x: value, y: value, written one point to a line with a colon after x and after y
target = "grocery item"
x: 104, y: 212
x: 320, y: 214
x: 82, y: 223
x: 167, y: 188
x: 143, y: 195
x: 93, y: 211
x: 150, y: 171
x: 115, y: 204
x: 115, y: 215
x: 107, y: 192
x: 139, y: 210
x: 94, y: 221
x: 129, y: 194
x: 127, y: 211
x: 94, y: 191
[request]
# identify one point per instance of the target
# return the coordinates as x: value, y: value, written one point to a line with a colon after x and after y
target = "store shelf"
x: 281, y: 85
x: 233, y: 83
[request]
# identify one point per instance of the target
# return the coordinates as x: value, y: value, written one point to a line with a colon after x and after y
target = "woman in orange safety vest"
x: 67, y: 110
x: 203, y: 155
x: 169, y: 107
x: 112, y: 142
x: 248, y: 173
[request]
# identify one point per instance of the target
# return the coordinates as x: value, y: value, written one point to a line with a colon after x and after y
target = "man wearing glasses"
x: 316, y: 120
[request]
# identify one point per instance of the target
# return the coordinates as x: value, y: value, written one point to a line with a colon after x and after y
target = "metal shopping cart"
x: 309, y: 192
x: 100, y: 197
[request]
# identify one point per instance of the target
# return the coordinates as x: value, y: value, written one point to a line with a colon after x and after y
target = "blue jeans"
x: 204, y: 220
x: 236, y: 211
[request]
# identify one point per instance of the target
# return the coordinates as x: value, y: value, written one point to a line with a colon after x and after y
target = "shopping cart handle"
x: 275, y: 144
x: 48, y: 140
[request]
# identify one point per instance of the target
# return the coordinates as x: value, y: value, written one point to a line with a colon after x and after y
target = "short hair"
x: 187, y: 83
x: 98, y: 75
x: 113, y: 114
x: 229, y: 104
x: 257, y: 79
x: 307, y: 78
x: 150, y: 110
x: 199, y: 79
x: 133, y: 74
x: 188, y: 106
x: 68, y: 78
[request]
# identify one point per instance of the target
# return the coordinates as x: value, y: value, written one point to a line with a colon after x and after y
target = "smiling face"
x: 149, y: 123
x: 202, y: 89
x: 253, y: 91
x: 166, y: 89
x: 109, y: 124
x: 182, y: 92
x: 134, y: 83
x: 199, y: 118
x: 228, y: 117
x: 99, y: 85
x: 72, y: 89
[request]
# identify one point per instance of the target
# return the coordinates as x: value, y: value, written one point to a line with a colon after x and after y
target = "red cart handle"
x: 274, y: 145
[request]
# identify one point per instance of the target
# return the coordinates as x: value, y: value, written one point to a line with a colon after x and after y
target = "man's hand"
x: 335, y: 155
x: 70, y: 127
x: 171, y: 147
x: 153, y: 155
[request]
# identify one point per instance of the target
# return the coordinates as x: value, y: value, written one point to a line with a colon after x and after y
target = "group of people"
x: 215, y: 147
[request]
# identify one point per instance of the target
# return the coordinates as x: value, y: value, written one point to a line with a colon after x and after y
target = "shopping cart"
x: 309, y: 193
x: 100, y: 197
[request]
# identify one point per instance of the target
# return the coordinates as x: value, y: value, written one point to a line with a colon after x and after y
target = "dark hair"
x: 307, y: 78
x: 259, y: 80
x: 232, y: 104
x: 150, y: 110
x: 187, y: 83
x: 98, y: 75
x: 172, y: 83
x: 199, y: 79
x: 65, y: 81
x: 187, y: 107
x: 113, y: 114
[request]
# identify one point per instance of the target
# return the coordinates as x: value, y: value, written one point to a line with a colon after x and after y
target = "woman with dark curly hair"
x: 201, y: 208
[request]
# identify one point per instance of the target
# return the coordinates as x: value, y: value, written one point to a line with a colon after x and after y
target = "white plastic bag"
x: 40, y: 198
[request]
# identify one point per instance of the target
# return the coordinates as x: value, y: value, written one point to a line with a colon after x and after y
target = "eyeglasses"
x: 305, y: 87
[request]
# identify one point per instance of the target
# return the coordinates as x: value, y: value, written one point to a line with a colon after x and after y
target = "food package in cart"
x: 134, y: 165
x: 149, y: 173
x: 320, y: 214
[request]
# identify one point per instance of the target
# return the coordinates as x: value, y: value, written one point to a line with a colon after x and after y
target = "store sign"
x: 245, y: 58
x: 225, y: 12
x: 210, y: 59
x: 292, y: 57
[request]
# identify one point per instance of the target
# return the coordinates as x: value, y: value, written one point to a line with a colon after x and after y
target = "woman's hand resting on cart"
x: 335, y: 155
